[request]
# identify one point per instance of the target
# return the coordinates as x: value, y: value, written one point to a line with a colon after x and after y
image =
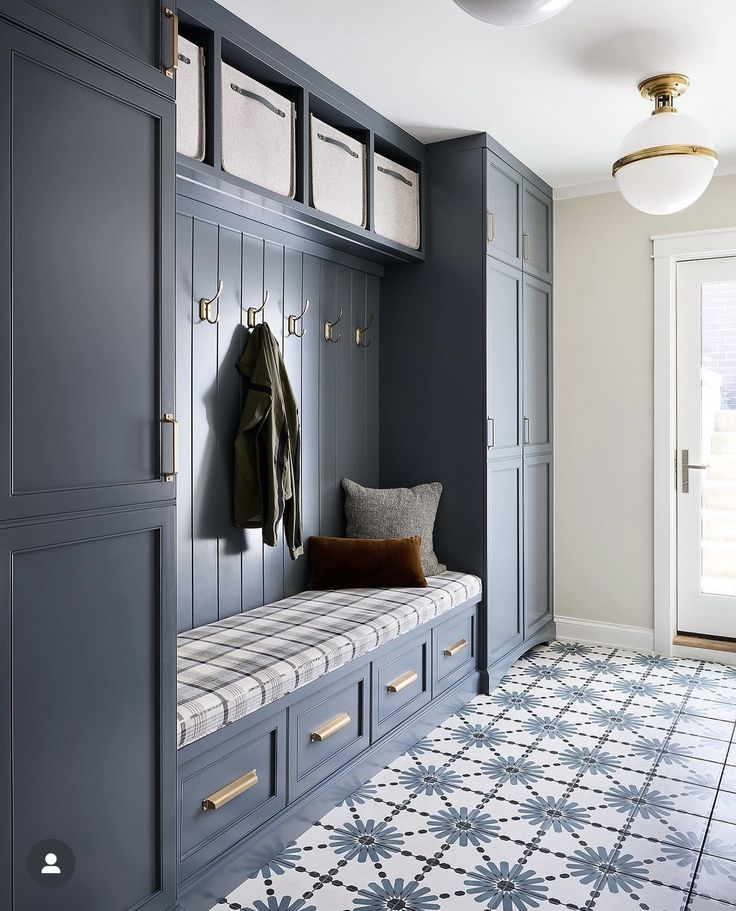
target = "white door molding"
x: 667, y: 251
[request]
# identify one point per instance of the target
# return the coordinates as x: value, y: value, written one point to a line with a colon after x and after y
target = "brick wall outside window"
x: 718, y: 324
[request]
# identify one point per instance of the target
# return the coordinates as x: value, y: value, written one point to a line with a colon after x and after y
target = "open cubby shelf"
x: 228, y: 39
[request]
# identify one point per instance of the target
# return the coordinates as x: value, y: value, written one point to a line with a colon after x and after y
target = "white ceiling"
x: 560, y: 95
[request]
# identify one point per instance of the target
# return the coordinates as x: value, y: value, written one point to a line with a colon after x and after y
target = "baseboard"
x: 593, y: 632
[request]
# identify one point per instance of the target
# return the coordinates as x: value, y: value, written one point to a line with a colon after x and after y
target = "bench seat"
x: 236, y: 666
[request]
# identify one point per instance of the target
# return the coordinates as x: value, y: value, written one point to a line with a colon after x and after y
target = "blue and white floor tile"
x: 591, y: 780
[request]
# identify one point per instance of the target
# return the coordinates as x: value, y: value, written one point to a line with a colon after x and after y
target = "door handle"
x: 491, y: 433
x: 170, y: 71
x: 492, y: 233
x: 527, y: 252
x: 527, y: 431
x: 170, y: 475
x: 687, y: 467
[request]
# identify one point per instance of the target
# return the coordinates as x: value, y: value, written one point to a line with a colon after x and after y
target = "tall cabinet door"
x: 87, y: 319
x: 503, y: 211
x: 88, y: 641
x: 537, y: 371
x: 537, y: 233
x: 537, y: 543
x: 503, y: 359
x: 504, y: 558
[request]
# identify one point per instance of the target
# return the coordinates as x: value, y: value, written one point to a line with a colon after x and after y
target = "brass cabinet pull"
x: 330, y: 727
x: 170, y: 475
x: 527, y: 431
x: 170, y: 14
x: 401, y: 683
x: 231, y: 791
x: 527, y: 247
x: 491, y: 433
x: 452, y: 650
x: 492, y: 235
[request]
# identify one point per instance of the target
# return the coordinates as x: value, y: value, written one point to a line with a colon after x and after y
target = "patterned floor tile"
x: 585, y: 782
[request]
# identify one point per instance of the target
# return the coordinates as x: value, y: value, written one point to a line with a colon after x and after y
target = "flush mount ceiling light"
x: 513, y: 12
x: 666, y: 162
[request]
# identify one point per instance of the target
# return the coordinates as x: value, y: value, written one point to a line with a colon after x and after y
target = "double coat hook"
x: 205, y: 306
x: 329, y: 334
x: 360, y: 332
x: 294, y: 319
x: 254, y: 311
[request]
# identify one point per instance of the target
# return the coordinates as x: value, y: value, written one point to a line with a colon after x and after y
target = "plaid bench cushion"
x: 235, y: 666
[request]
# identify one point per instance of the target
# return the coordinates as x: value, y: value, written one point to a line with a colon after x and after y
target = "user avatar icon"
x: 51, y: 866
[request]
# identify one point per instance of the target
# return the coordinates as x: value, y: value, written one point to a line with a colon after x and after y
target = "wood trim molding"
x: 667, y: 251
x: 594, y: 632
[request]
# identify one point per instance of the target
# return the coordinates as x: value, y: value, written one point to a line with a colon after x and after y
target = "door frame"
x: 667, y: 251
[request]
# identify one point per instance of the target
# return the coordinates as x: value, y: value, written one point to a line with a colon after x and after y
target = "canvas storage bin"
x: 190, y: 135
x: 258, y: 140
x: 338, y: 169
x: 396, y: 201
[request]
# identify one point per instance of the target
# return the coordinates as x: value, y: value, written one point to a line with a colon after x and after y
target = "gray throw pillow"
x: 395, y: 513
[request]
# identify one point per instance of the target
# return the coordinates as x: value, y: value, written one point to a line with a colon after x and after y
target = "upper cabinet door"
x: 537, y: 360
x: 503, y: 349
x: 537, y: 233
x: 87, y: 314
x: 503, y: 211
x: 133, y: 37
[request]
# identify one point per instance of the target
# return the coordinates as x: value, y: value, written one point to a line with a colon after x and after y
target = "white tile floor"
x: 591, y: 780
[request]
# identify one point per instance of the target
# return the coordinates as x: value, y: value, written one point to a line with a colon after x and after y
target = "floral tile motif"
x: 592, y: 779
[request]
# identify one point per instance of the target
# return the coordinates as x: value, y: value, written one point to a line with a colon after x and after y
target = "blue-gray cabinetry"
x: 87, y: 465
x: 466, y: 383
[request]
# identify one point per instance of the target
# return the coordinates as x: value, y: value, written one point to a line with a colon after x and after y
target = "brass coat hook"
x: 254, y: 311
x: 360, y: 334
x: 205, y: 306
x: 329, y: 335
x: 293, y: 320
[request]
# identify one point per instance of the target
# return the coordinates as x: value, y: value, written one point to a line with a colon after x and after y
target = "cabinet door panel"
x: 90, y: 621
x: 537, y: 240
x: 133, y: 37
x: 537, y: 357
x: 537, y: 542
x: 503, y: 346
x: 504, y: 559
x: 503, y: 211
x: 88, y: 281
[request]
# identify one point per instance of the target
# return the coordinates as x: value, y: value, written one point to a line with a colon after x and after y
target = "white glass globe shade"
x: 667, y: 183
x: 513, y: 12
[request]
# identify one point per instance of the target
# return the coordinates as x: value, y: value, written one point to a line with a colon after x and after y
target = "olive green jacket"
x: 267, y: 446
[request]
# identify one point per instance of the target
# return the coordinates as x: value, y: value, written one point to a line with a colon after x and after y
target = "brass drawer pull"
x: 452, y: 650
x: 329, y: 728
x: 230, y: 791
x: 174, y: 424
x: 401, y: 683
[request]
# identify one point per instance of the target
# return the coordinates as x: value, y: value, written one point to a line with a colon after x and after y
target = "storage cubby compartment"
x: 338, y: 164
x: 396, y: 196
x: 258, y: 115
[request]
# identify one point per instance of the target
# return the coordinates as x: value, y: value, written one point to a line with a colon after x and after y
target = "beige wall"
x: 603, y: 399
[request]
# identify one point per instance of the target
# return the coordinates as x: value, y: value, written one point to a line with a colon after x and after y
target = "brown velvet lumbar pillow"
x: 365, y: 563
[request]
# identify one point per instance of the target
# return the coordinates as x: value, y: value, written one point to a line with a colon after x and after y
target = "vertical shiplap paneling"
x: 253, y: 291
x: 373, y: 291
x: 185, y: 313
x: 358, y: 448
x: 329, y: 517
x: 204, y: 423
x: 344, y: 395
x: 231, y: 344
x: 311, y: 346
x: 293, y: 302
x: 273, y: 281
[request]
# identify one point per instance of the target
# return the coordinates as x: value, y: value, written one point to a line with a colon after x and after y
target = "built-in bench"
x: 294, y: 700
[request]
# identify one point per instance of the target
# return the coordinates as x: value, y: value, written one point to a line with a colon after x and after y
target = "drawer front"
x: 401, y: 685
x: 228, y: 792
x: 454, y: 651
x: 327, y: 729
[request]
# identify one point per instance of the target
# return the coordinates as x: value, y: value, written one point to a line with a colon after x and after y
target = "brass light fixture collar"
x: 663, y: 90
x: 660, y: 151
